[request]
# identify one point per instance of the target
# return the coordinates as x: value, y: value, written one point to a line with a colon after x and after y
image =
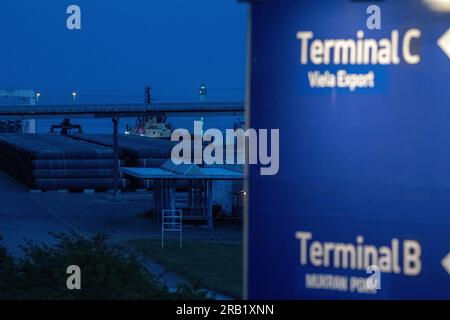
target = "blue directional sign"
x: 360, y: 207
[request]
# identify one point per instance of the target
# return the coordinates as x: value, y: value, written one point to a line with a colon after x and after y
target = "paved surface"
x: 25, y: 215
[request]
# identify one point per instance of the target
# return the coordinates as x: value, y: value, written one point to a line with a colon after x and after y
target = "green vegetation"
x: 213, y: 265
x: 107, y: 272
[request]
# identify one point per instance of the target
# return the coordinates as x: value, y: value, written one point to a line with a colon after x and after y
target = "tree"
x: 107, y: 272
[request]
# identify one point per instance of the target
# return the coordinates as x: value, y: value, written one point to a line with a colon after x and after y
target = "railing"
x: 172, y: 221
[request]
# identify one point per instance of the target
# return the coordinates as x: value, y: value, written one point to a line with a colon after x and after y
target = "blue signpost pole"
x: 363, y: 181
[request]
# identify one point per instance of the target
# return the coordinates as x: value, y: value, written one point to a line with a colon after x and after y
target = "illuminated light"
x: 202, y: 91
x: 74, y: 95
x: 438, y: 5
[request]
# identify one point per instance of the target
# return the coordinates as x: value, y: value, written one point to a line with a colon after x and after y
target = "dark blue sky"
x: 171, y: 44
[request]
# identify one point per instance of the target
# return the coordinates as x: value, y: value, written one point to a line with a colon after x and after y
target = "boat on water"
x: 152, y: 127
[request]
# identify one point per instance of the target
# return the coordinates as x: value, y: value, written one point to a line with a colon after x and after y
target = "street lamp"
x: 202, y: 91
x: 74, y: 95
x: 38, y: 94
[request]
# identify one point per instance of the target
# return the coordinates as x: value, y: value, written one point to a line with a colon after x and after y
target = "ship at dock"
x: 151, y: 127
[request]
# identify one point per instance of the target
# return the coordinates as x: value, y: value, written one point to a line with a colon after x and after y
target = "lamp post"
x: 202, y: 91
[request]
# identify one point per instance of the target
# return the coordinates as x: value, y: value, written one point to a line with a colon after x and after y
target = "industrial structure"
x: 76, y: 161
x: 23, y: 97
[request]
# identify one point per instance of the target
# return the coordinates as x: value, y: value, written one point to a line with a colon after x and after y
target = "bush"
x: 107, y: 272
x: 8, y: 274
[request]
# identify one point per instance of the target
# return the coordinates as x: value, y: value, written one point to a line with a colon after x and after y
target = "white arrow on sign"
x: 446, y: 263
x: 444, y: 42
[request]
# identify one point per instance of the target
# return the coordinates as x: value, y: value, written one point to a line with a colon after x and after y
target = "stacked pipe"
x: 52, y: 162
x: 136, y: 151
